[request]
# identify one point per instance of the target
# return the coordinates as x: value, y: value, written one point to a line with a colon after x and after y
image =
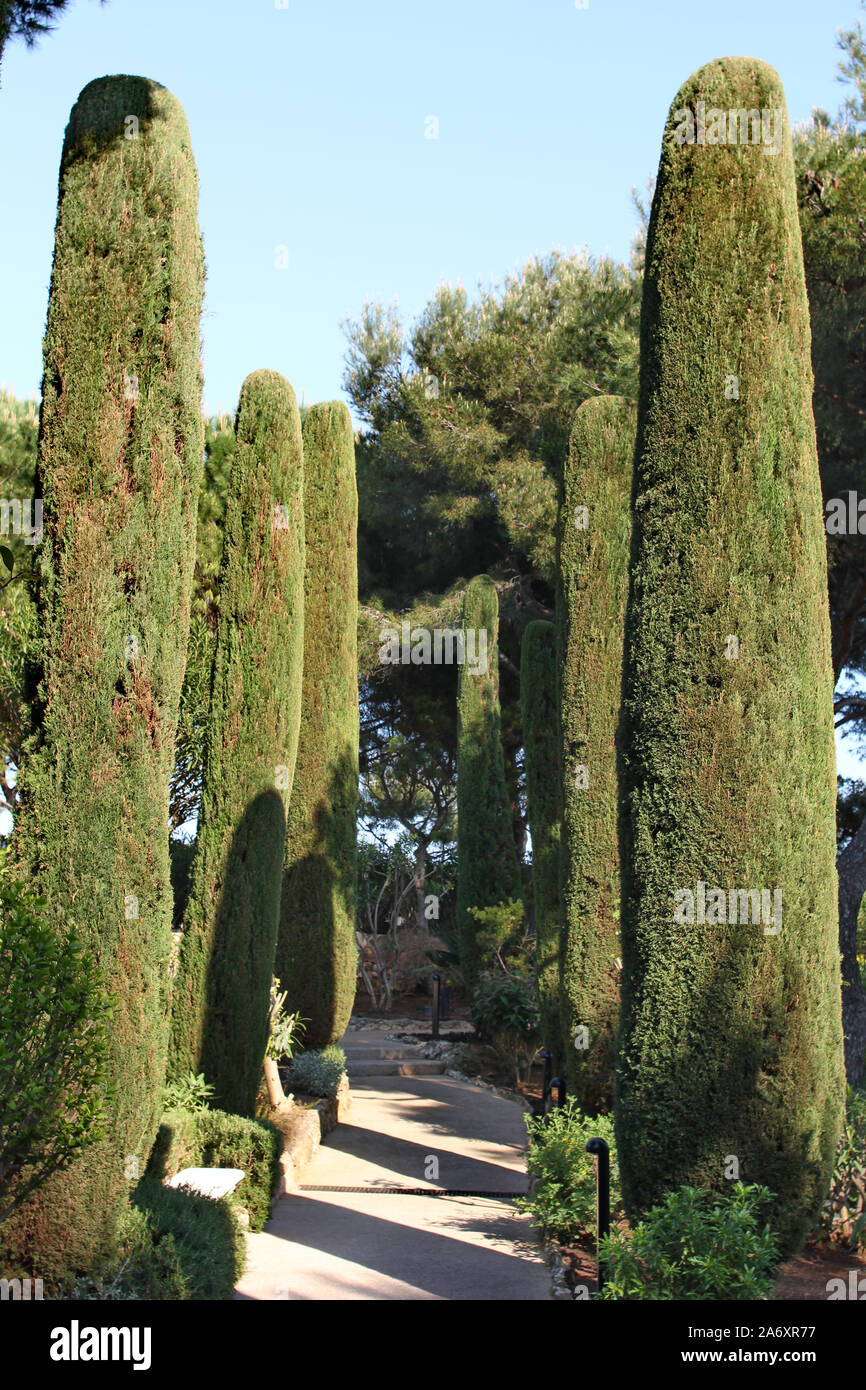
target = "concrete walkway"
x: 424, y: 1132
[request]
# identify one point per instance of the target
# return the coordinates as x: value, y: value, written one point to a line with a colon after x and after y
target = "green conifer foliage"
x: 316, y: 952
x: 594, y: 536
x: 487, y: 869
x: 731, y: 1043
x: 220, y: 1010
x: 539, y: 680
x: 120, y: 458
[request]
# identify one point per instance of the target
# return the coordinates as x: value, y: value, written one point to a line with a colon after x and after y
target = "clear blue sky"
x: 308, y: 125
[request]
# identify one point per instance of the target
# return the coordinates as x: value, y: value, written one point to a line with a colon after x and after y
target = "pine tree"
x: 731, y: 1044
x: 316, y: 952
x: 220, y: 1010
x: 119, y: 464
x: 487, y: 869
x: 594, y: 535
x: 539, y: 682
x: 27, y: 19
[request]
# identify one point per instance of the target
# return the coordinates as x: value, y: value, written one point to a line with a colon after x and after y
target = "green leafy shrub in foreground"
x: 696, y: 1245
x: 317, y: 1073
x: 172, y: 1245
x: 843, y: 1219
x: 215, y: 1139
x: 562, y: 1202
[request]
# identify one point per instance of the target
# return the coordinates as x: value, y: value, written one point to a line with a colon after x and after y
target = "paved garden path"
x: 404, y: 1132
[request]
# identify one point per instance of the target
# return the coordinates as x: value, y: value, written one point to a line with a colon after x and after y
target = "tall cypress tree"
x: 593, y: 543
x: 316, y: 952
x: 220, y: 1011
x: 487, y: 869
x: 539, y: 681
x: 120, y: 458
x: 731, y: 1044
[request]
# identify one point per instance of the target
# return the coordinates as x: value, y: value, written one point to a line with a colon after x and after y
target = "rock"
x: 208, y: 1182
x: 441, y: 1049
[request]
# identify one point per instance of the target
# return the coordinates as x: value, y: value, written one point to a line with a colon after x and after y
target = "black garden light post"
x: 600, y: 1149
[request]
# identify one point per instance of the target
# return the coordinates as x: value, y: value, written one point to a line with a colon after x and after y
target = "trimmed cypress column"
x: 731, y: 1047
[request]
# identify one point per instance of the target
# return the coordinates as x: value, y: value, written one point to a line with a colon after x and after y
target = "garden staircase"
x: 383, y: 1058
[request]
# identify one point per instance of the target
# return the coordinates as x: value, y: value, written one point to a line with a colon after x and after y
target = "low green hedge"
x: 173, y: 1246
x: 215, y: 1139
x: 697, y: 1245
x: 317, y: 1072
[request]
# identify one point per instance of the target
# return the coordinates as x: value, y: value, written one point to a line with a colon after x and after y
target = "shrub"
x: 207, y: 1239
x: 190, y: 1094
x: 563, y: 1198
x: 505, y: 1010
x: 144, y: 1266
x: 214, y: 1139
x: 695, y: 1245
x: 317, y: 955
x: 53, y: 1046
x: 317, y: 1073
x: 843, y: 1219
x: 172, y: 1244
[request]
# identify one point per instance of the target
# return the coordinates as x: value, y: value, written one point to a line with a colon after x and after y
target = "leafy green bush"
x: 145, y: 1266
x: 317, y: 1073
x: 171, y: 1245
x: 215, y: 1139
x: 505, y: 1010
x: 695, y: 1245
x: 53, y: 1047
x: 206, y: 1234
x: 843, y: 1219
x: 191, y: 1094
x: 562, y: 1202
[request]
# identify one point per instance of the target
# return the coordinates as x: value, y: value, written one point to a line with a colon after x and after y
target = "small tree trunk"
x: 276, y: 1094
x: 420, y: 877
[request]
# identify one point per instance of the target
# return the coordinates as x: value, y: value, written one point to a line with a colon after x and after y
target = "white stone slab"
x: 208, y: 1182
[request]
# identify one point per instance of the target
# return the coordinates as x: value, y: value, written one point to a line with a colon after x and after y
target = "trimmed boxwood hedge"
x: 197, y: 1241
x: 214, y: 1139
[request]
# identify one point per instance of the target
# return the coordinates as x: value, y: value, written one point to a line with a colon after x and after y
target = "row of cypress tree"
x: 689, y: 685
x: 120, y: 462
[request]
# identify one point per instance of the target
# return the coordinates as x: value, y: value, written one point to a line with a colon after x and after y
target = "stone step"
x: 379, y: 1066
x: 396, y: 1052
